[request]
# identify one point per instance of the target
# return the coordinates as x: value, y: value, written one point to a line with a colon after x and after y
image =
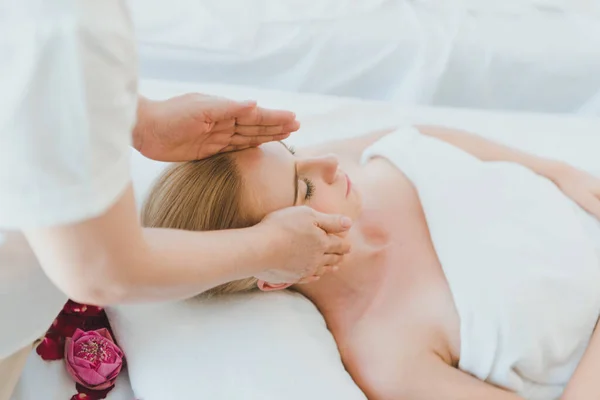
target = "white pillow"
x: 253, y: 346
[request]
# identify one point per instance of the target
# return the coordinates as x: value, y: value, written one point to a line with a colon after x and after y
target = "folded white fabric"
x: 522, y: 269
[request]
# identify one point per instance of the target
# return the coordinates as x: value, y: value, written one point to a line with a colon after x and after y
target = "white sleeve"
x: 68, y: 98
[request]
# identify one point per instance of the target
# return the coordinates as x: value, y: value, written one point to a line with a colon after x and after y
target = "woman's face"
x: 274, y: 178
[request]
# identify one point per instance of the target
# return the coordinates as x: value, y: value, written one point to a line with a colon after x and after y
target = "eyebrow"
x: 295, y: 174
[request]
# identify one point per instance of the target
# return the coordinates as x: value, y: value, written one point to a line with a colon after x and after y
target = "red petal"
x: 51, y: 348
x: 97, y: 322
x: 93, y: 394
x: 82, y: 309
x: 69, y: 307
x: 67, y: 324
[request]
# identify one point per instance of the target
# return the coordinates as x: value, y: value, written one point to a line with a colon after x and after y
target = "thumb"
x: 332, y: 223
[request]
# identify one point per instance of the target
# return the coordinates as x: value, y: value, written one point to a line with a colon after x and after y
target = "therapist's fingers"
x: 265, y: 116
x: 313, y: 278
x: 309, y: 279
x: 219, y: 109
x: 231, y: 126
x: 322, y: 271
x: 261, y: 130
x: 253, y: 141
x: 330, y: 260
x: 336, y: 246
x: 331, y: 268
x: 226, y: 126
x: 250, y: 143
x: 229, y: 149
x: 332, y: 223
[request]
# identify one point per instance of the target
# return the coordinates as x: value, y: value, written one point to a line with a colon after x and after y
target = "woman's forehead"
x: 268, y: 176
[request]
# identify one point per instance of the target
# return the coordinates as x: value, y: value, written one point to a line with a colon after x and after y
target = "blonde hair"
x: 202, y: 195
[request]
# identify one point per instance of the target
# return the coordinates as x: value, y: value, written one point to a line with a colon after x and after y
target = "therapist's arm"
x: 111, y: 259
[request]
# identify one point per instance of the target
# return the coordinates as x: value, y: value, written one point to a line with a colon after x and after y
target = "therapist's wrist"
x: 144, y: 122
x: 261, y: 247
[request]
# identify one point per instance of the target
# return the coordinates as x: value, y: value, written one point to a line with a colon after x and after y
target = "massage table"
x: 231, y: 345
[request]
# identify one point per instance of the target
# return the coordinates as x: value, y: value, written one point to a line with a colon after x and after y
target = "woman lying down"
x: 468, y: 278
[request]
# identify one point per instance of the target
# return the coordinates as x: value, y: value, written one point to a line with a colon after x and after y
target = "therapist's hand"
x: 303, y: 244
x: 195, y: 126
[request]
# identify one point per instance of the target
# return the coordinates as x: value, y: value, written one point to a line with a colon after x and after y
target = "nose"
x: 326, y: 166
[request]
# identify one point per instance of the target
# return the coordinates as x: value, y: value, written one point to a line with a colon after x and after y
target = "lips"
x: 349, y: 184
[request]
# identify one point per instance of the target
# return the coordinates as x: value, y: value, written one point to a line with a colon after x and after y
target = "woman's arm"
x: 111, y: 259
x: 580, y: 186
x: 584, y: 384
x: 432, y: 378
x: 487, y: 150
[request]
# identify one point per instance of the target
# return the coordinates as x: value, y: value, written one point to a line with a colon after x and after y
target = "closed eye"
x: 310, y: 188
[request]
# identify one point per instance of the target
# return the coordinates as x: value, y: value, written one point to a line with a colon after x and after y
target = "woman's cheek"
x: 325, y: 205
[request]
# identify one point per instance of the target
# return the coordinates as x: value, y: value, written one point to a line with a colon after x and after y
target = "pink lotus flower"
x: 93, y: 359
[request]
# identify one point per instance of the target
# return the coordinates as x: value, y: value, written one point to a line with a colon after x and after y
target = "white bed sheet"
x: 573, y: 139
x: 536, y: 55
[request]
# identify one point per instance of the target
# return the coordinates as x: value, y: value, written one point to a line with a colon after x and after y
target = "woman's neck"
x: 345, y: 295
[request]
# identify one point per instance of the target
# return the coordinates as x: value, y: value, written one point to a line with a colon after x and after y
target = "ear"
x: 270, y: 287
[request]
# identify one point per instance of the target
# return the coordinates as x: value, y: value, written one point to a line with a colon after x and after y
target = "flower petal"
x: 90, y: 378
x: 95, y: 394
x: 78, y: 334
x: 66, y: 324
x: 81, y: 363
x: 109, y: 369
x: 51, y: 348
x: 72, y: 307
x: 104, y: 333
x: 74, y: 374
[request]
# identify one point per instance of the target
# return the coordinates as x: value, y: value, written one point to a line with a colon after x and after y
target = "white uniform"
x: 68, y: 98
